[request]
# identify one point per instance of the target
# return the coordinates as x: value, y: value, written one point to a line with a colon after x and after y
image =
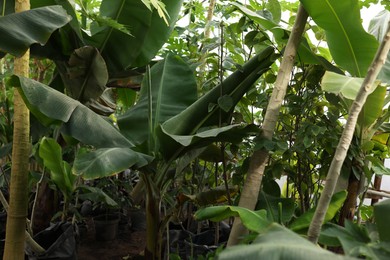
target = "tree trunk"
x: 346, y: 137
x: 349, y: 206
x: 377, y: 186
x: 259, y: 158
x: 17, y: 213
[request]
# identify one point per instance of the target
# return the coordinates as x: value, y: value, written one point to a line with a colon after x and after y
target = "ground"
x: 129, y: 244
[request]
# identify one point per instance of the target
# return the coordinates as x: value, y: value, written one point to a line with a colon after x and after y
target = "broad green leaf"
x: 20, y: 30
x: 381, y: 213
x: 253, y: 220
x: 274, y: 7
x: 278, y: 242
x: 189, y: 121
x: 51, y: 106
x: 372, y: 110
x: 85, y: 74
x: 69, y: 8
x: 107, y: 162
x: 378, y: 26
x: 149, y: 33
x: 278, y: 209
x: 351, y: 46
x: 354, y: 239
x: 347, y: 86
x: 230, y: 133
x: 304, y: 220
x: 51, y: 153
x: 173, y: 89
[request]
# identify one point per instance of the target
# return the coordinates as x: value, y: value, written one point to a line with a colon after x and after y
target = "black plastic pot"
x: 106, y: 227
x: 59, y: 242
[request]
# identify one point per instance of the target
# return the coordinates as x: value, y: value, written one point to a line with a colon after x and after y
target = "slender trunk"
x: 377, y: 186
x: 349, y: 206
x: 17, y: 213
x: 259, y: 158
x: 345, y: 140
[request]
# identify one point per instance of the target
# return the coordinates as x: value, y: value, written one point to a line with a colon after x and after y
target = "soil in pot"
x: 106, y: 227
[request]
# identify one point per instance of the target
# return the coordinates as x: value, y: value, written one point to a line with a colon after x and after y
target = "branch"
x: 346, y: 137
x: 259, y: 159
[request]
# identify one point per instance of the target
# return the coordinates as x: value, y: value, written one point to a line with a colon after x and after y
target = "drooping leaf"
x: 230, y: 133
x: 53, y: 107
x: 378, y: 26
x: 278, y: 242
x: 173, y: 89
x: 106, y: 162
x: 149, y: 33
x: 350, y: 45
x: 253, y: 220
x: 85, y: 74
x: 20, y: 30
x: 304, y: 220
x: 189, y: 121
x: 337, y: 83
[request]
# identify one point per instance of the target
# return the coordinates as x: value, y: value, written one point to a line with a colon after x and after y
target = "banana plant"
x: 62, y: 176
x: 169, y: 126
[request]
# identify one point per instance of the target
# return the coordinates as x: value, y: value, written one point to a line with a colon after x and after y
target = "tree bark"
x: 17, y: 214
x: 346, y: 137
x: 259, y: 158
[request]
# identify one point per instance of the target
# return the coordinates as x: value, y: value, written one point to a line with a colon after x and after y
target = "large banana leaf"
x: 304, y: 220
x: 169, y: 89
x: 253, y: 220
x: 279, y: 243
x: 19, y: 31
x: 350, y: 45
x: 372, y: 109
x: 106, y: 162
x: 85, y: 74
x: 229, y: 133
x: 148, y: 32
x: 51, y: 106
x: 198, y: 115
x: 378, y: 27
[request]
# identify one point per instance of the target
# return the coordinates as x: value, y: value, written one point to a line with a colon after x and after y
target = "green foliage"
x: 60, y: 171
x: 350, y: 45
x: 36, y: 25
x: 253, y: 220
x: 105, y: 162
x: 76, y: 120
x: 168, y: 89
x: 278, y: 242
x: 84, y: 75
x: 303, y: 221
